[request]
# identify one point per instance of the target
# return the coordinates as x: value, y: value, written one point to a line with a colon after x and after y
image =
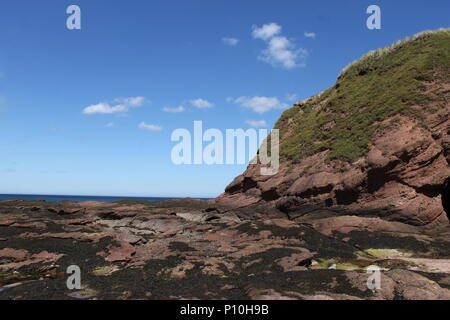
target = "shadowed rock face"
x: 446, y: 197
x: 189, y: 249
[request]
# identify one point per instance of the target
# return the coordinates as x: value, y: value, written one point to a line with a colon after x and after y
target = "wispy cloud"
x: 109, y: 125
x: 202, y: 104
x: 280, y: 50
x: 291, y: 96
x: 257, y: 123
x: 260, y: 104
x: 149, y: 127
x: 230, y: 41
x: 310, y: 34
x: 174, y: 110
x: 266, y: 32
x: 119, y: 105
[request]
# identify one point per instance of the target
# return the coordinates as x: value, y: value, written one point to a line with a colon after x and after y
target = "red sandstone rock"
x: 13, y: 254
x: 122, y: 253
x: 401, y: 177
x: 296, y: 262
x: 346, y: 224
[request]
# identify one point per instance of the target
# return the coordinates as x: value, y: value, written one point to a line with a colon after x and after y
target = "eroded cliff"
x: 375, y: 144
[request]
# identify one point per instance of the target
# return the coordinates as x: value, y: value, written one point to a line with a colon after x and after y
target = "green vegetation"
x: 384, y: 83
x: 385, y: 253
x: 105, y: 270
x: 341, y: 264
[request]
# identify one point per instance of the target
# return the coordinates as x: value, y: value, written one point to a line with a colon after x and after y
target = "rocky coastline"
x: 197, y: 249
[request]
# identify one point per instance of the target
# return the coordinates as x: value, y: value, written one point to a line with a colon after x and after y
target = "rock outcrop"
x: 376, y: 144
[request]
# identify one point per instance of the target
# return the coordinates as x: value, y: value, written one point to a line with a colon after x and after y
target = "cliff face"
x: 375, y: 144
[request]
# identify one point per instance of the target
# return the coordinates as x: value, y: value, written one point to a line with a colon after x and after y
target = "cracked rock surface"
x: 192, y: 249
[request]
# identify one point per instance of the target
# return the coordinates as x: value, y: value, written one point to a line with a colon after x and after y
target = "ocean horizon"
x: 77, y: 198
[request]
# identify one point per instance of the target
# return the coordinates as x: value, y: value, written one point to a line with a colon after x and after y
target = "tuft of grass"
x: 384, y: 83
x: 381, y: 52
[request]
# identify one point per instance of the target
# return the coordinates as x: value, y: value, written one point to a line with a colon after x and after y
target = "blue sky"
x: 91, y: 111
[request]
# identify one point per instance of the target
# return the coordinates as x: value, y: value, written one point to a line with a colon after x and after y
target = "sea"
x: 56, y: 198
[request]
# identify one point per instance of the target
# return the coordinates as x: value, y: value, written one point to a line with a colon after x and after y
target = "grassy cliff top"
x: 382, y: 84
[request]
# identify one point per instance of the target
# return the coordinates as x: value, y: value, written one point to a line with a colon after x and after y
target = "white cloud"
x: 280, y: 50
x: 121, y: 105
x: 260, y: 104
x: 257, y: 123
x: 230, y: 41
x: 174, y: 110
x: 310, y: 34
x: 202, y: 104
x: 149, y: 127
x: 103, y: 108
x: 109, y: 125
x: 132, y: 102
x: 266, y: 32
